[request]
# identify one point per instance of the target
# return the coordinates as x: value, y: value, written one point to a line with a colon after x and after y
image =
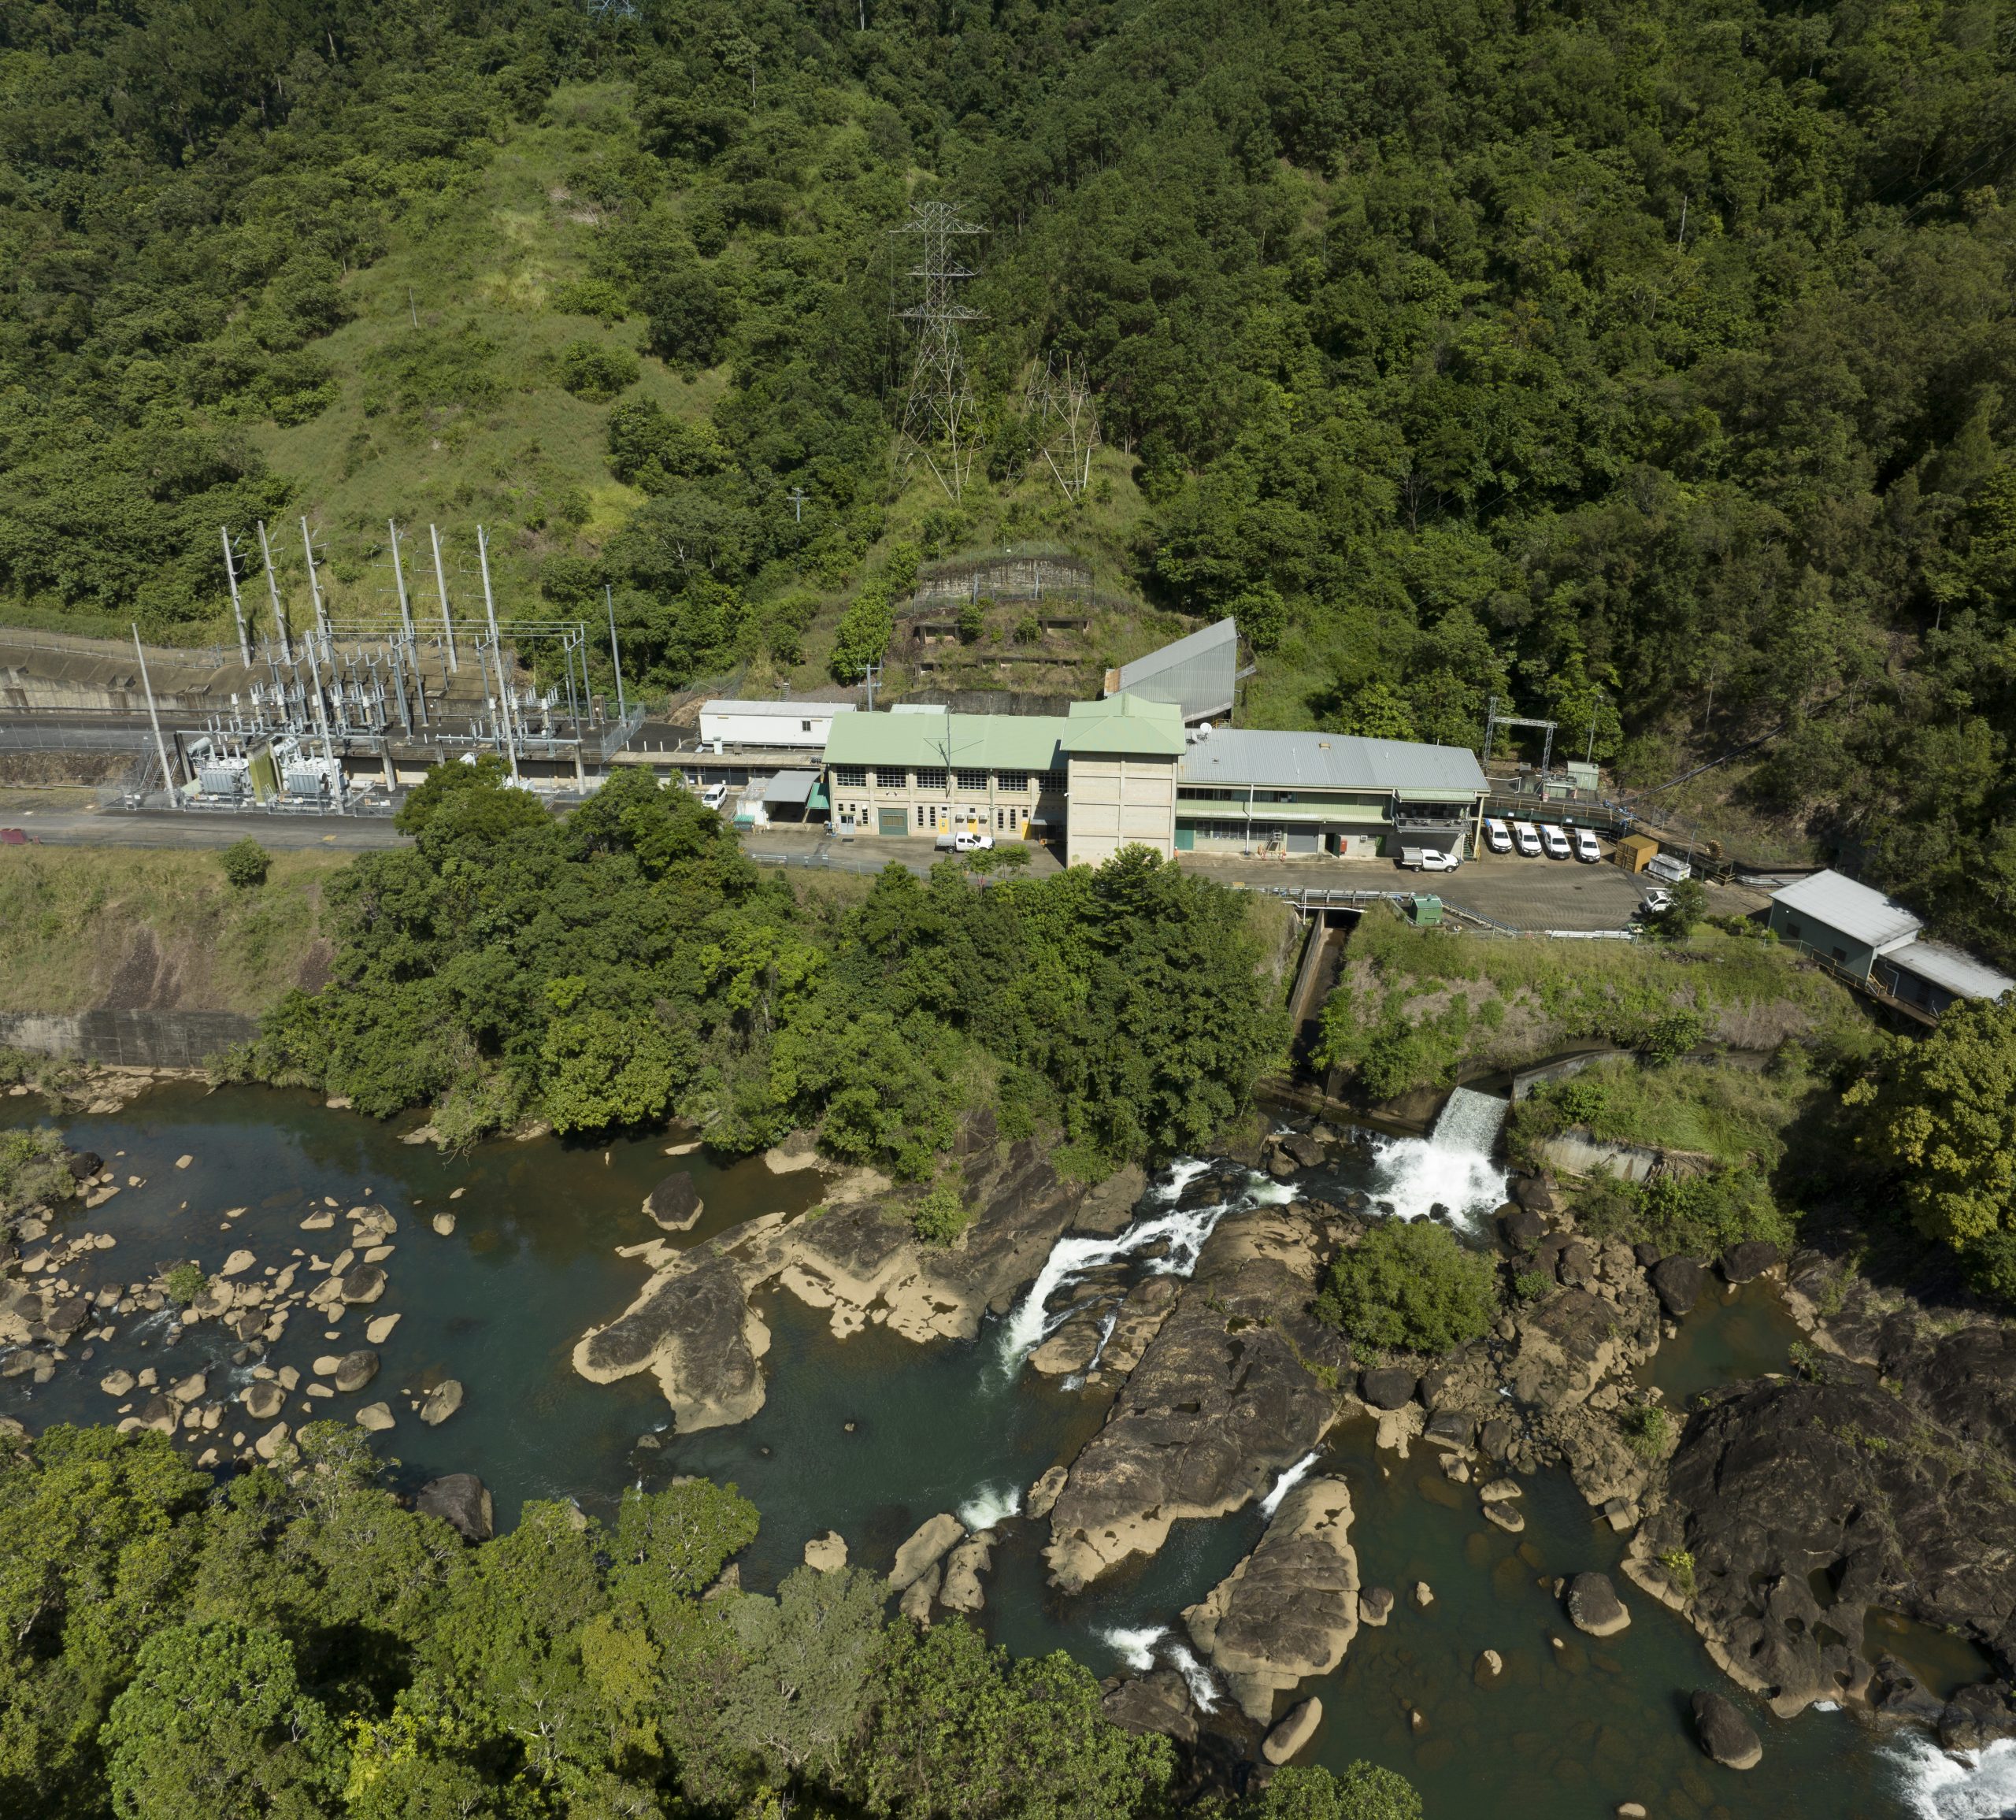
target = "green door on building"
x: 892, y: 821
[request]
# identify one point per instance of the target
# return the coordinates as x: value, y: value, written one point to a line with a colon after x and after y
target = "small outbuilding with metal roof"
x: 1842, y: 921
x: 1931, y: 976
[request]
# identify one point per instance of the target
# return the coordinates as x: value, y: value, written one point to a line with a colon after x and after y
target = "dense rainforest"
x: 300, y: 1643
x: 1649, y: 364
x: 631, y: 963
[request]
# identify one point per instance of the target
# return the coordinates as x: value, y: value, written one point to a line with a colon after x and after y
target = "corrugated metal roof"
x: 801, y: 710
x: 1948, y: 967
x: 1853, y: 910
x: 1196, y: 674
x: 930, y: 741
x: 791, y: 787
x: 1122, y: 725
x: 1239, y: 759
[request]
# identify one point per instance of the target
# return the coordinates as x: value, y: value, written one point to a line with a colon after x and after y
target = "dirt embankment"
x: 139, y: 930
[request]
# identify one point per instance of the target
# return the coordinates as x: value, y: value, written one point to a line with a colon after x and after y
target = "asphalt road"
x: 114, y: 827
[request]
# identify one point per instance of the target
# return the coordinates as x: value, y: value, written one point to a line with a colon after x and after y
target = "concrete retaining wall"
x: 131, y: 1039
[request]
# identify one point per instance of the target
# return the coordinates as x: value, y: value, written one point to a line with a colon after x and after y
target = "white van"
x: 1586, y: 849
x: 1528, y: 839
x: 1555, y: 841
x: 1497, y: 836
x: 1670, y: 867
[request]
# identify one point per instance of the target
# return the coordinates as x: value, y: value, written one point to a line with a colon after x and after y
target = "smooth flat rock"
x: 826, y: 1554
x: 1725, y: 1734
x: 442, y: 1401
x: 961, y: 1591
x: 378, y: 1331
x: 1043, y: 1494
x: 1594, y: 1606
x: 237, y: 1263
x: 1497, y: 1490
x: 675, y: 1204
x: 922, y: 1549
x: 443, y: 1224
x: 1297, y: 1727
x: 320, y: 1220
x: 1375, y: 1606
x: 1504, y: 1517
x: 115, y: 1383
x: 1289, y: 1610
x: 271, y: 1441
x: 263, y: 1399
x: 692, y: 1328
x: 354, y: 1370
x: 375, y: 1417
x: 462, y: 1501
x: 915, y: 1603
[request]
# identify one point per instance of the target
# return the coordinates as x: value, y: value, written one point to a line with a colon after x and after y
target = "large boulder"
x: 1158, y: 1701
x: 364, y: 1283
x: 827, y: 1554
x: 461, y: 1500
x: 974, y: 1557
x: 1751, y: 1259
x: 1298, y: 1725
x: 1388, y: 1388
x: 1678, y: 1282
x: 441, y: 1402
x: 919, y: 1554
x: 354, y: 1370
x: 1593, y: 1606
x: 263, y: 1399
x: 1290, y: 1609
x: 1725, y: 1735
x: 1234, y: 1387
x: 675, y: 1203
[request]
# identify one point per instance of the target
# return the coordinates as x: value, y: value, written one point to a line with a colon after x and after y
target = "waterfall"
x: 1451, y: 1167
x: 1285, y: 1484
x: 1183, y: 1230
x: 1137, y: 1649
x: 1470, y: 1120
x: 989, y: 1505
x: 1939, y: 1786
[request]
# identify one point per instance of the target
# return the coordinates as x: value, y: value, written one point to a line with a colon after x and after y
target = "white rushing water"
x: 1937, y: 1786
x: 1183, y: 1230
x: 1451, y: 1167
x: 1135, y: 1647
x: 1138, y: 1649
x: 1285, y: 1484
x: 989, y: 1505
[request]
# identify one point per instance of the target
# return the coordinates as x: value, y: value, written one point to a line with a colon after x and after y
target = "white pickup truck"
x: 1429, y: 859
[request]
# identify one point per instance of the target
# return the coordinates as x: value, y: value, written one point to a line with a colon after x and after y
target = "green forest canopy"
x: 631, y: 962
x: 298, y: 1643
x: 1649, y: 363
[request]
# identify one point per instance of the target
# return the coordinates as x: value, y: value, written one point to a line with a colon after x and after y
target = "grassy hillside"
x: 131, y: 928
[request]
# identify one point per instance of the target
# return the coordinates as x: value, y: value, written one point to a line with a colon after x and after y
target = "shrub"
x: 1678, y: 1564
x: 596, y: 371
x: 1677, y: 921
x: 1409, y: 1286
x: 939, y: 1218
x: 1647, y: 1429
x: 1361, y: 1792
x: 246, y: 863
x: 32, y: 1168
x: 972, y: 622
x: 184, y: 1283
x: 1531, y: 1285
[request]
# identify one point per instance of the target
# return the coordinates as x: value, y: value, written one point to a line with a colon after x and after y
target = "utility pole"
x: 870, y: 673
x: 237, y: 607
x: 161, y: 745
x: 441, y: 587
x: 273, y: 588
x: 497, y: 651
x: 314, y: 586
x: 796, y: 496
x: 616, y: 655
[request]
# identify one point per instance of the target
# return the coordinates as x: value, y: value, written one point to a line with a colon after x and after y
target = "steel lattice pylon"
x: 941, y: 422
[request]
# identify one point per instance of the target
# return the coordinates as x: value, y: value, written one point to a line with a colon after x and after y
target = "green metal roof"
x: 1125, y: 724
x: 939, y: 740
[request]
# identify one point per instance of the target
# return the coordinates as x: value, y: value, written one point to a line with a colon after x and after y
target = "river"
x: 873, y: 1435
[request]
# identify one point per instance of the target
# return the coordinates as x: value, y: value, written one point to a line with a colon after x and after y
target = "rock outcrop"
x: 858, y: 1258
x: 1594, y: 1606
x: 1290, y: 1609
x: 1725, y: 1734
x: 1297, y: 1727
x: 1158, y: 1701
x: 461, y: 1500
x: 1885, y: 1479
x: 919, y: 1554
x: 675, y: 1204
x: 1227, y: 1394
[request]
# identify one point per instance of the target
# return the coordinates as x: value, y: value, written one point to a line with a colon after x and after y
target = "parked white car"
x: 1656, y: 900
x: 1497, y: 836
x: 972, y: 840
x: 1528, y: 837
x: 1555, y: 841
x: 714, y: 795
x: 1429, y: 859
x: 1586, y: 849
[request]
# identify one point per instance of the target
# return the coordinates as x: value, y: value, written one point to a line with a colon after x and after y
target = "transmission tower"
x: 1058, y: 405
x: 941, y: 422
